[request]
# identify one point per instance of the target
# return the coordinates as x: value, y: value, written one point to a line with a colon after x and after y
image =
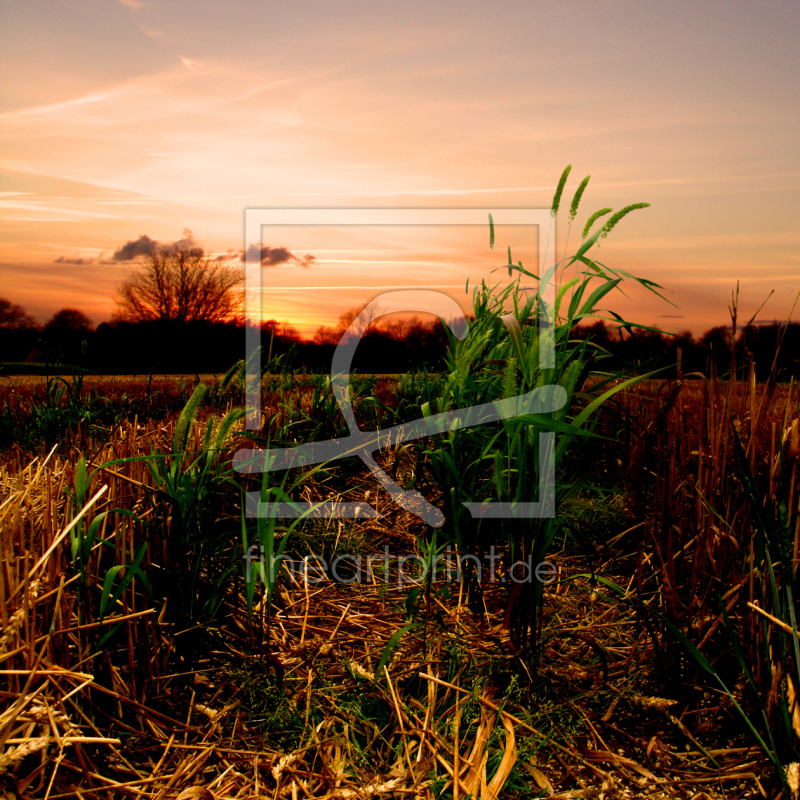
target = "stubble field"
x: 143, y: 655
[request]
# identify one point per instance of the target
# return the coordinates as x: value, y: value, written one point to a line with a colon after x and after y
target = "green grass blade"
x: 390, y: 646
x: 187, y: 418
x: 596, y: 296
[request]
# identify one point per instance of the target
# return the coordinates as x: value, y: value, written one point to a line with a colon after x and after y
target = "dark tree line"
x: 23, y: 340
x: 174, y: 346
x: 392, y: 346
x: 773, y: 350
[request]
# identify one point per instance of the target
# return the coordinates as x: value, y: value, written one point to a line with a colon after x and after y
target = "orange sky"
x: 126, y: 118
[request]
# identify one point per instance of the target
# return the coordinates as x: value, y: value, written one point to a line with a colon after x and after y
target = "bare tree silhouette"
x: 181, y: 283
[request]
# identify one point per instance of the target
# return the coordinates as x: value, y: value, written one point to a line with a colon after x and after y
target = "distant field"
x: 95, y: 380
x: 157, y: 379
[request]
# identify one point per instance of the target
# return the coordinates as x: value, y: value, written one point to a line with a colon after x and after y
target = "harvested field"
x: 352, y: 688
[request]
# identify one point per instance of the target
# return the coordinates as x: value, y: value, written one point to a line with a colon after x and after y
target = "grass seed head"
x: 21, y: 751
x: 576, y: 200
x: 619, y: 215
x: 589, y: 222
x: 559, y: 191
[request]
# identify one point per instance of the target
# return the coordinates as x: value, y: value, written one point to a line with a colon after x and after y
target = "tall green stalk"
x: 196, y: 567
x: 511, y: 461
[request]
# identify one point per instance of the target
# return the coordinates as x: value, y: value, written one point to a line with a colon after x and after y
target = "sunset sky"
x: 125, y: 118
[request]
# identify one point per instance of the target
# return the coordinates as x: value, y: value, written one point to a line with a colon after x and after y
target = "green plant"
x: 85, y: 536
x: 519, y: 344
x: 269, y: 562
x: 63, y: 407
x: 198, y: 561
x: 268, y: 707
